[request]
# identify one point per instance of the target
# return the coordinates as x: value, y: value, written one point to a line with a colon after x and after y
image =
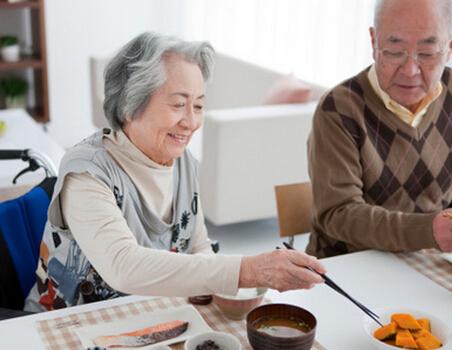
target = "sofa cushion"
x: 287, y: 89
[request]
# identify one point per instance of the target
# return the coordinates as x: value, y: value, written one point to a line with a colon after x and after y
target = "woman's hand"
x: 281, y: 269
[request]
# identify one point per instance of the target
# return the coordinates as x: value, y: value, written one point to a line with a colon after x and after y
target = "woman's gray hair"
x: 137, y: 71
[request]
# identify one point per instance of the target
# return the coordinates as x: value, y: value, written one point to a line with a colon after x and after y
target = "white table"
x: 23, y: 132
x: 377, y: 280
x: 374, y: 278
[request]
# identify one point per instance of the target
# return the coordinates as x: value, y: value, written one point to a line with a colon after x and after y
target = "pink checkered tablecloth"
x: 58, y: 334
x: 431, y: 264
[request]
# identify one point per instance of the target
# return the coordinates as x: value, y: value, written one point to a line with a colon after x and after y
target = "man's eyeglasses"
x: 423, y: 58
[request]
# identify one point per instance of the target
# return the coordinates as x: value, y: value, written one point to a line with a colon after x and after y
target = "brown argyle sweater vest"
x: 377, y: 181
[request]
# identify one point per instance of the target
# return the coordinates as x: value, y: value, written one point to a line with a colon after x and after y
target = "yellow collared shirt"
x: 400, y: 111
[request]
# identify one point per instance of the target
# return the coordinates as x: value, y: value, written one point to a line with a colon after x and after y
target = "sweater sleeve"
x: 340, y: 210
x: 90, y: 211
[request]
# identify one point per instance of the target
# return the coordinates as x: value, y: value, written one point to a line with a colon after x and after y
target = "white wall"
x: 321, y: 41
x: 79, y: 29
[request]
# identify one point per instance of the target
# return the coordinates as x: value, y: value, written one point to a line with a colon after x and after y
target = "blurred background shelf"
x: 34, y: 63
x: 26, y: 21
x: 37, y: 113
x: 18, y: 5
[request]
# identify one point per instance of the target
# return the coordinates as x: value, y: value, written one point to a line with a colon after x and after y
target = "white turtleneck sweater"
x: 90, y: 211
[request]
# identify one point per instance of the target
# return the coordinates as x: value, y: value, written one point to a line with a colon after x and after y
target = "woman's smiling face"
x: 173, y: 113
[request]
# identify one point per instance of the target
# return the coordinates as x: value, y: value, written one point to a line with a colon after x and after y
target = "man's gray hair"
x: 137, y: 71
x: 446, y: 10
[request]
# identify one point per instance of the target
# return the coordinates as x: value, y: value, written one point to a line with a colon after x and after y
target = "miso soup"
x: 281, y: 327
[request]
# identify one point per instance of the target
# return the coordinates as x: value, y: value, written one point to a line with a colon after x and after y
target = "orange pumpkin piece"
x: 385, y: 332
x: 404, y: 339
x: 428, y: 342
x: 409, y: 333
x: 424, y: 323
x: 420, y: 333
x: 405, y: 321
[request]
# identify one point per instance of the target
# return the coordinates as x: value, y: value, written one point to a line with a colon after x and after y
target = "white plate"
x: 188, y: 313
x: 447, y: 256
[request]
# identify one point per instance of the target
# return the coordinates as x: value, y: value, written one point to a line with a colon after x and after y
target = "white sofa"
x: 245, y: 148
x: 97, y: 66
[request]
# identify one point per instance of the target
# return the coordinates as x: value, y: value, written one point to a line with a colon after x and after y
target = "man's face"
x: 420, y: 31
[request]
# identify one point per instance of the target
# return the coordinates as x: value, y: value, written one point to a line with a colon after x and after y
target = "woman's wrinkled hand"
x: 281, y: 269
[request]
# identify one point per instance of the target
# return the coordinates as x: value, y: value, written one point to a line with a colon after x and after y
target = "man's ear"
x: 373, y: 41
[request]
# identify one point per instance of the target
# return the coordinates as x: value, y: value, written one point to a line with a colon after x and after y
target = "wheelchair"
x: 22, y: 222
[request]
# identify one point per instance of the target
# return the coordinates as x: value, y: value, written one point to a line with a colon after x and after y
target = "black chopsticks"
x: 330, y: 283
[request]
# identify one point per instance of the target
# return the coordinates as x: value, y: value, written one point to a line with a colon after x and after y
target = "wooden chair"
x: 294, y: 204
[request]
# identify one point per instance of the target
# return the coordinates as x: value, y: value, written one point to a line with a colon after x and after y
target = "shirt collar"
x: 400, y: 111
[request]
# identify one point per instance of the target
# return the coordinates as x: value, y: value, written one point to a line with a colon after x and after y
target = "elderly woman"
x: 125, y: 217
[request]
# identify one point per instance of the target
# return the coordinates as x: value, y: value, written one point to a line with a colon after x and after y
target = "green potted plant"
x: 9, y: 48
x: 14, y: 90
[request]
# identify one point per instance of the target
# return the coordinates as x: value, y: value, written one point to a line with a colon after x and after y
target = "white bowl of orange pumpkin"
x: 408, y: 329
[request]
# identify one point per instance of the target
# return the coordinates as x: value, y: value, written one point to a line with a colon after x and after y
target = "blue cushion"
x: 22, y: 222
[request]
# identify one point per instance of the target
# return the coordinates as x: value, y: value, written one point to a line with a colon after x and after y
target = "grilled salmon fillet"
x: 144, y: 336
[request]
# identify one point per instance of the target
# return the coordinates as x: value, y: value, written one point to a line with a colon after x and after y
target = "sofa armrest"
x: 97, y: 67
x: 317, y: 91
x: 246, y: 152
x: 237, y: 83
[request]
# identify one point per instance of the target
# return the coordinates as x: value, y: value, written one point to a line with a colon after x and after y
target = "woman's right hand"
x: 281, y: 269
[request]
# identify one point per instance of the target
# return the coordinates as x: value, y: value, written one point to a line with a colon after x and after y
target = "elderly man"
x: 380, y: 155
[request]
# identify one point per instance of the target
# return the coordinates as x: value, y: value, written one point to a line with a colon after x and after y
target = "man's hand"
x: 280, y: 269
x: 442, y: 230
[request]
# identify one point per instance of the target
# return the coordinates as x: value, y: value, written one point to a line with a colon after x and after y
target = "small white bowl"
x: 236, y: 307
x: 225, y: 341
x: 160, y: 347
x: 439, y: 327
